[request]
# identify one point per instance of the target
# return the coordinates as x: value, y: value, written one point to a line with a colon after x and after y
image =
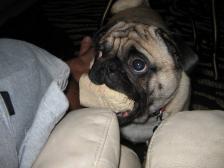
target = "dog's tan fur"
x: 135, y: 25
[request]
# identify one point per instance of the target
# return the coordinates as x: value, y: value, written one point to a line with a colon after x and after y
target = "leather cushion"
x: 192, y: 139
x: 83, y: 139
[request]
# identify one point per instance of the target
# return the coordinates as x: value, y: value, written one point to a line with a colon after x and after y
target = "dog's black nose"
x: 112, y: 67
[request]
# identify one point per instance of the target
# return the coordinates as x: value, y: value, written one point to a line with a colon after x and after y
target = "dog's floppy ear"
x: 188, y: 57
x: 121, y: 5
x: 181, y: 52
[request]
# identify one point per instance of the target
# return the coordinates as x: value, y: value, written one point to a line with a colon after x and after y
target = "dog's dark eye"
x: 139, y: 65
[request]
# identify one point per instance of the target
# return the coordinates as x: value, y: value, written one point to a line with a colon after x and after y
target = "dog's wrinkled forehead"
x: 146, y: 39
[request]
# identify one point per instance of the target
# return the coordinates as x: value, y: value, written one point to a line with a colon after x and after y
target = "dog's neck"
x: 180, y: 101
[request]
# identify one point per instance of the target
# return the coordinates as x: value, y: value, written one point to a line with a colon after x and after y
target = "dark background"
x: 59, y: 25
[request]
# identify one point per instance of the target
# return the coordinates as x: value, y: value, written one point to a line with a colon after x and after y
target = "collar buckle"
x: 159, y: 117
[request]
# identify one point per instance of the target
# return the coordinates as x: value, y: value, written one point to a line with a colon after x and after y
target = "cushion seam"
x: 101, y: 146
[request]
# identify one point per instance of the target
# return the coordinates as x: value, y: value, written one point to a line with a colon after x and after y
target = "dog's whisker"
x: 100, y: 54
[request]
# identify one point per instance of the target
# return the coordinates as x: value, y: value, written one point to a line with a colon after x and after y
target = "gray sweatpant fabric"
x: 35, y: 81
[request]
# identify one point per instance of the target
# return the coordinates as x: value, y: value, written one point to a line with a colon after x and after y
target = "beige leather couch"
x: 89, y: 138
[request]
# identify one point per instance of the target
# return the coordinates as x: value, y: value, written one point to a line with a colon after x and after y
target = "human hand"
x: 81, y: 64
x: 78, y: 66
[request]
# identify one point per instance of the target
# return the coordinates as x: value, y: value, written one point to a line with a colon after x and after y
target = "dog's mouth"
x: 123, y: 114
x: 123, y: 117
x: 126, y: 117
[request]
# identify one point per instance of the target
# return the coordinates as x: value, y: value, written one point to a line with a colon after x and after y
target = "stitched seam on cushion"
x: 105, y: 137
x: 150, y: 151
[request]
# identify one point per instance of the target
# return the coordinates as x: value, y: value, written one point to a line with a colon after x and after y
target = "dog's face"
x: 140, y: 61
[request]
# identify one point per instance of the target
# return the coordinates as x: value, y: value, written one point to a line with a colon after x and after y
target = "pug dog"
x: 137, y: 56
